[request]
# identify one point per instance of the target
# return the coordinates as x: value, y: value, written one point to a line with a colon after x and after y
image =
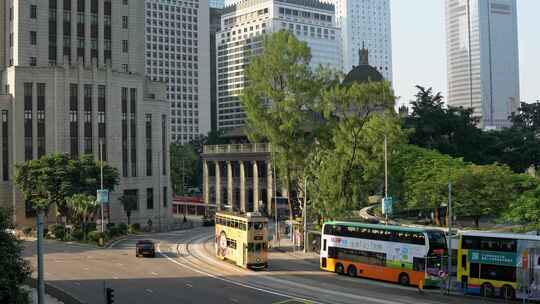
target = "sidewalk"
x: 286, y: 246
x: 48, y: 298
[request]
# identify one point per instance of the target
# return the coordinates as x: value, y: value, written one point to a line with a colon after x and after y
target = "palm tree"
x: 83, y: 207
x: 130, y: 203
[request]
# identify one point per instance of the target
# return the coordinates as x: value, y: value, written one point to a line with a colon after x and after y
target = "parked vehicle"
x: 145, y: 248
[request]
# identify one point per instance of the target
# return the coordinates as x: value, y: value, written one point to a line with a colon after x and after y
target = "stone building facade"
x: 72, y: 81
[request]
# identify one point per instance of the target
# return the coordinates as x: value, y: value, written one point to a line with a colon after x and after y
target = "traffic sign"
x: 102, y: 196
x: 387, y: 203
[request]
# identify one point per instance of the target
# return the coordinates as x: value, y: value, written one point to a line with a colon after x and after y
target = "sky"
x: 419, y: 47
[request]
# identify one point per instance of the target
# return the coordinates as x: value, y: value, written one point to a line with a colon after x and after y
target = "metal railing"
x: 237, y: 148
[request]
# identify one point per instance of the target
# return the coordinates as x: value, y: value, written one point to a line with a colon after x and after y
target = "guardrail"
x: 237, y: 148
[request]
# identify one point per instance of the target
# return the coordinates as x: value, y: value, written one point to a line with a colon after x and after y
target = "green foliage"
x: 112, y: 232
x: 526, y: 210
x: 82, y: 207
x: 95, y: 236
x: 351, y: 167
x: 130, y: 203
x: 184, y: 164
x: 14, y: 270
x: 280, y: 102
x: 77, y: 235
x: 134, y: 228
x: 122, y: 228
x: 58, y: 230
x: 53, y: 178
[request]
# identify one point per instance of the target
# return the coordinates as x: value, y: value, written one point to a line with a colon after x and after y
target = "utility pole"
x: 41, y: 278
x: 101, y: 177
x: 305, y: 215
x: 275, y: 196
x: 450, y: 237
x: 386, y: 175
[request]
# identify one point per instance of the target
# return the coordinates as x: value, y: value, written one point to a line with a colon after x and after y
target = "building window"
x: 149, y: 198
x: 148, y: 118
x: 125, y: 46
x: 33, y: 11
x: 125, y: 2
x: 102, y: 120
x: 125, y: 68
x: 5, y: 145
x: 165, y: 197
x: 125, y: 23
x: 133, y: 193
x: 164, y: 144
x: 33, y: 61
x: 74, y: 119
x: 28, y: 142
x: 124, y: 133
x: 133, y: 129
x: 88, y: 132
x: 33, y: 37
x: 40, y: 120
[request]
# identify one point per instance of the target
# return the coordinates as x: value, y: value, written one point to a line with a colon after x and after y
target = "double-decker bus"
x: 409, y: 256
x: 242, y: 239
x: 499, y: 264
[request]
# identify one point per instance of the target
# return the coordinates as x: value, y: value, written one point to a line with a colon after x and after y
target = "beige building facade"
x: 73, y: 82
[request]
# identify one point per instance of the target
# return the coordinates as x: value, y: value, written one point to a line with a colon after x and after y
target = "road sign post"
x: 102, y: 196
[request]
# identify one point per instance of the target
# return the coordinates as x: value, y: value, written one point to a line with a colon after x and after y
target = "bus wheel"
x: 487, y: 290
x: 339, y: 269
x: 404, y: 279
x: 352, y: 271
x: 508, y: 293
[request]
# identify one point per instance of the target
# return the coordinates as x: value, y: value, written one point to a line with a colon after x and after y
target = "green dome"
x: 362, y: 74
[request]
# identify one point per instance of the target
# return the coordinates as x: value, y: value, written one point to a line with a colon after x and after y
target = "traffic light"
x: 110, y: 295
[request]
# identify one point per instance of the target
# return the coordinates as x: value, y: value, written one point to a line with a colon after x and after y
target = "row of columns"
x: 243, y: 185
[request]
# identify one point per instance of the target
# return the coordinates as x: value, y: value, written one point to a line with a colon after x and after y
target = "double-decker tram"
x: 499, y: 264
x: 409, y: 256
x: 242, y: 239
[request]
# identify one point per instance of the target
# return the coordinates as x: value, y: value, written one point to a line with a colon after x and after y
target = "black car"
x: 145, y: 248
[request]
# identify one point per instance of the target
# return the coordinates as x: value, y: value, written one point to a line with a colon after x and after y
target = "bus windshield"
x: 437, y: 240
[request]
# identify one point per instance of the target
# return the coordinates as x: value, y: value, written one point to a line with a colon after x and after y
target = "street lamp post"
x: 305, y: 214
x: 101, y: 177
x: 450, y: 234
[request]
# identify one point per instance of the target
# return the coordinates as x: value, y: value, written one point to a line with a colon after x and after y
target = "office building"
x: 178, y: 53
x: 483, y: 58
x: 243, y: 26
x: 72, y: 81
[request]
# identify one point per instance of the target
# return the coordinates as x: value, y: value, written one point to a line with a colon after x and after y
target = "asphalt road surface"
x: 185, y: 271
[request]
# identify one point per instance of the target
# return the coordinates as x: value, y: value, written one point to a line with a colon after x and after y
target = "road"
x: 184, y: 271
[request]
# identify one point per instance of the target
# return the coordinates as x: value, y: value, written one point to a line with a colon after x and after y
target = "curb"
x: 56, y: 292
x: 294, y: 255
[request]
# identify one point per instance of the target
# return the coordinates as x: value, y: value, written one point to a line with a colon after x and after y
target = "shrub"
x: 112, y: 232
x: 90, y: 227
x: 134, y: 227
x: 94, y: 236
x: 45, y: 232
x: 27, y: 231
x: 77, y: 235
x: 58, y: 230
x: 122, y: 228
x: 110, y: 225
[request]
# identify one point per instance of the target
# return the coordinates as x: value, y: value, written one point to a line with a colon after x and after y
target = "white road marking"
x: 77, y: 283
x: 86, y: 268
x: 189, y: 285
x: 115, y: 278
x: 149, y: 290
x: 154, y: 273
x: 234, y: 300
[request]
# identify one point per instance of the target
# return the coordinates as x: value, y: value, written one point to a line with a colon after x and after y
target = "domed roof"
x: 363, y: 72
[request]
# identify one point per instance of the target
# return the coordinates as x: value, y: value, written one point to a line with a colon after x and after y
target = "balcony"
x: 237, y: 148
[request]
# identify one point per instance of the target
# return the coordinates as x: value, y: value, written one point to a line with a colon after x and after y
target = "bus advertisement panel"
x: 410, y: 256
x: 499, y: 265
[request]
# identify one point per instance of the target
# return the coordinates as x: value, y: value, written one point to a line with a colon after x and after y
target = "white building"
x: 242, y: 28
x: 178, y: 53
x: 483, y: 59
x: 365, y: 23
x: 71, y: 79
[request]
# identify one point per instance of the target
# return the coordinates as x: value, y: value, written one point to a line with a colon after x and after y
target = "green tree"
x: 83, y: 208
x: 184, y: 160
x: 352, y: 167
x: 130, y: 203
x: 279, y: 102
x: 525, y: 210
x: 14, y: 270
x: 53, y: 178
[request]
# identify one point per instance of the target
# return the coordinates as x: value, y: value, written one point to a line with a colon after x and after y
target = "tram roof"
x: 380, y: 226
x: 244, y: 216
x: 517, y: 236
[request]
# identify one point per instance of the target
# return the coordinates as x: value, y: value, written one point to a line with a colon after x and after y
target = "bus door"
x: 244, y: 254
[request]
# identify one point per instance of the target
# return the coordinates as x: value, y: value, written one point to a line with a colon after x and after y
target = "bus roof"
x: 379, y: 226
x: 517, y: 236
